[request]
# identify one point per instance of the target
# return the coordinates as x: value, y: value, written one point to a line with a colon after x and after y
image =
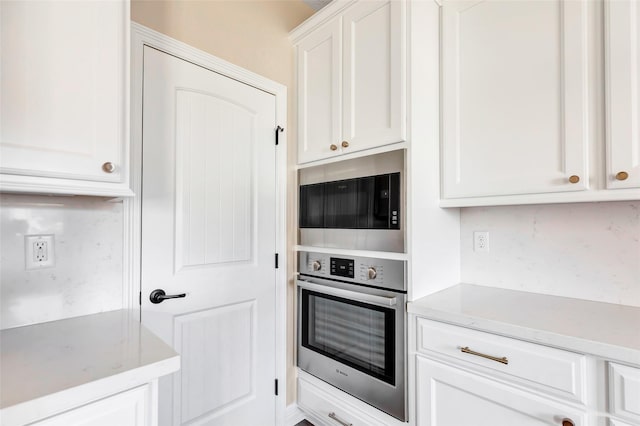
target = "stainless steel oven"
x: 352, y: 326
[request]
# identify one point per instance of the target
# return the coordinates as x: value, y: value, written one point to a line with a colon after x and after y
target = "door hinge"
x: 278, y: 130
x: 140, y: 298
x: 276, y: 389
x: 276, y: 260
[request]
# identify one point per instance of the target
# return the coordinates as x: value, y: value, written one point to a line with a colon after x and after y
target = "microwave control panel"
x: 388, y: 273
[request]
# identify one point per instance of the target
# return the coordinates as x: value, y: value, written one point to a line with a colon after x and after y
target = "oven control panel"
x: 386, y: 273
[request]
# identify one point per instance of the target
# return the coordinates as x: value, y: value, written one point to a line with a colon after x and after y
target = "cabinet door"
x: 319, y: 93
x: 446, y: 396
x: 374, y: 67
x: 514, y: 97
x: 64, y: 74
x: 622, y: 72
x: 130, y: 408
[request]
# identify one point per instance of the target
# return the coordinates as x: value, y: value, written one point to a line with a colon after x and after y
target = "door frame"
x: 142, y: 36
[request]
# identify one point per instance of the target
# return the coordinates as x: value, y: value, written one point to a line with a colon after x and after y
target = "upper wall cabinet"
x: 522, y: 102
x: 350, y: 71
x: 514, y: 112
x: 622, y: 77
x: 65, y: 97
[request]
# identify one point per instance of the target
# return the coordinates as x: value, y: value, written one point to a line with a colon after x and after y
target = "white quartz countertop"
x: 41, y: 365
x: 602, y: 329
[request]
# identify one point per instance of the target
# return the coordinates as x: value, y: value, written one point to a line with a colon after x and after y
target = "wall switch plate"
x: 39, y: 251
x: 481, y: 241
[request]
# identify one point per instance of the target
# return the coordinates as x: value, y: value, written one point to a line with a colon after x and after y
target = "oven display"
x: 342, y: 267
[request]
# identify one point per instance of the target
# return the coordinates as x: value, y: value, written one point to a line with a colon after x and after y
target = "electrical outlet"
x: 481, y: 241
x: 39, y: 251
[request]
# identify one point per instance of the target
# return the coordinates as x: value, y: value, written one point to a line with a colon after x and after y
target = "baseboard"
x: 293, y: 415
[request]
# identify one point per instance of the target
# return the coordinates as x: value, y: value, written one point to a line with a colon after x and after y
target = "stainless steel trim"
x: 333, y: 416
x: 348, y: 294
x: 390, y: 273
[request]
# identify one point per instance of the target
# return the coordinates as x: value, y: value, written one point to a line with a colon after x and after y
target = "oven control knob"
x: 372, y: 273
x: 316, y: 265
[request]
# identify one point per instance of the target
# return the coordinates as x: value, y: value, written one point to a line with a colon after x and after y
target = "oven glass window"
x: 357, y: 334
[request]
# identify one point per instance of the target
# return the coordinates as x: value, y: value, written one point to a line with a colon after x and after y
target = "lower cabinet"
x: 624, y: 394
x: 449, y: 396
x: 325, y: 405
x: 133, y: 407
x: 466, y: 377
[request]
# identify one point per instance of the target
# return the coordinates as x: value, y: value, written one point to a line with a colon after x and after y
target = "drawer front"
x: 549, y: 370
x: 624, y: 392
x: 449, y: 396
x: 328, y: 410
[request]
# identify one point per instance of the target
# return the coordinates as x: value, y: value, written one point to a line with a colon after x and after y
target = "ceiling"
x: 317, y: 4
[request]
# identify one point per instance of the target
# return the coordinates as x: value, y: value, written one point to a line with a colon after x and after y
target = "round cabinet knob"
x: 333, y: 147
x: 316, y: 265
x: 622, y: 175
x: 108, y: 167
x: 568, y: 422
x: 574, y: 179
x: 345, y: 144
x: 372, y: 273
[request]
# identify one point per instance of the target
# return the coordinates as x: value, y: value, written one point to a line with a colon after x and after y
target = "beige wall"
x: 254, y: 35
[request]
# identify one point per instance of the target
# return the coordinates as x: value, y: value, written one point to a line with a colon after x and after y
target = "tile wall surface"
x: 585, y: 250
x: 87, y: 275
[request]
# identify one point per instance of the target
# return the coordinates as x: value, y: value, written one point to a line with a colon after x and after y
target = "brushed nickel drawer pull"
x: 502, y: 360
x: 333, y: 416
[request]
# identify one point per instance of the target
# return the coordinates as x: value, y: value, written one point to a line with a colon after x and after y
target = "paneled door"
x: 208, y: 232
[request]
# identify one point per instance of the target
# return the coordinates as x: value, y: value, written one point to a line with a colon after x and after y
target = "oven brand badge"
x: 342, y: 372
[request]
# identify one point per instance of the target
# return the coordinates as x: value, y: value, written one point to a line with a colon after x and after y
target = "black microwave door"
x: 341, y: 204
x: 311, y: 206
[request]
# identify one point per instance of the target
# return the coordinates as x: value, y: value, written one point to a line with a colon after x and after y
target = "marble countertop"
x: 602, y: 329
x: 43, y: 366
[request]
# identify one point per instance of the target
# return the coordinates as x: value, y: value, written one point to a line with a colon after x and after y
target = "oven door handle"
x: 348, y: 294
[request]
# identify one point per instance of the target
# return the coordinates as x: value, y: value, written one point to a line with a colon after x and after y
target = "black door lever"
x: 158, y: 295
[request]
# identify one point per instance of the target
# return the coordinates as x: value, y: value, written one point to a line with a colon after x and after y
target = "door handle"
x: 158, y: 295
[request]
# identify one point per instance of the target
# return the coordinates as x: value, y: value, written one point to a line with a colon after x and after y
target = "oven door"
x: 353, y: 337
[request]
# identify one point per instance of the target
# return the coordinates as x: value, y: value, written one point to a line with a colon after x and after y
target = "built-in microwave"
x: 371, y: 202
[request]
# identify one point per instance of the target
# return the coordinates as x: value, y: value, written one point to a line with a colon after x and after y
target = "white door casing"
x: 191, y: 253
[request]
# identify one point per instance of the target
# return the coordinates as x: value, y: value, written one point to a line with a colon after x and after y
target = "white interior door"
x: 208, y: 230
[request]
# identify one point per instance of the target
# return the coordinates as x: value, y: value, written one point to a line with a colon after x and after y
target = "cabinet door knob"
x: 622, y: 175
x: 345, y: 144
x: 333, y: 147
x: 568, y: 422
x: 108, y: 167
x: 574, y: 179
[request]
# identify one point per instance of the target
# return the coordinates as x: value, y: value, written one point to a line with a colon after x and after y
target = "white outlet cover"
x: 481, y: 241
x: 30, y: 254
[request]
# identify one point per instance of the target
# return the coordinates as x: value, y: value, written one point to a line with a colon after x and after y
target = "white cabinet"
x: 447, y: 396
x: 514, y: 107
x: 622, y: 78
x: 528, y: 116
x: 498, y: 380
x: 325, y: 405
x: 351, y: 80
x: 319, y: 89
x: 129, y: 408
x: 65, y: 97
x: 624, y: 393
